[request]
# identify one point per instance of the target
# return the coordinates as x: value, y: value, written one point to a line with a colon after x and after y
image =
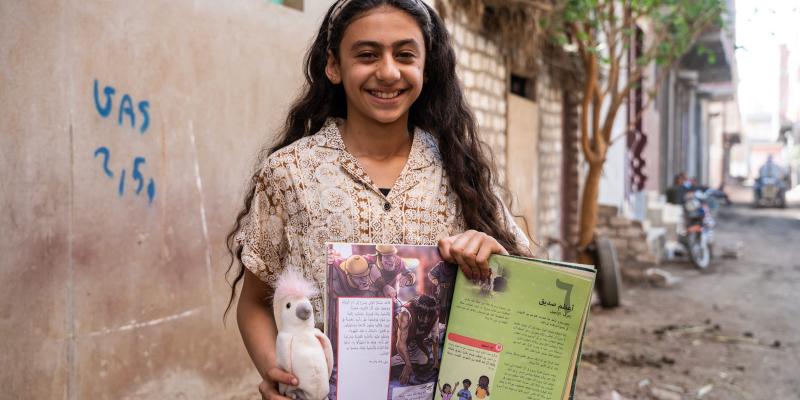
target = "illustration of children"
x: 464, y: 394
x: 446, y: 391
x: 482, y: 391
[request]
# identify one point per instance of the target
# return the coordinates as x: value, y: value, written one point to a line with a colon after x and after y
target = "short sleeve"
x: 263, y: 234
x: 511, y: 225
x: 519, y: 234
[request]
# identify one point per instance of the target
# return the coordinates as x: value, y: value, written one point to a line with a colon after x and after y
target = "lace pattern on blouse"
x: 314, y: 191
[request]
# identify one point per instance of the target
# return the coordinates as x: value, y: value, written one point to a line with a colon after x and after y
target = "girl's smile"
x: 387, y: 98
x: 386, y: 95
x: 380, y: 64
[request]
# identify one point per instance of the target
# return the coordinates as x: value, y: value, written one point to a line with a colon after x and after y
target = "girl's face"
x: 381, y: 64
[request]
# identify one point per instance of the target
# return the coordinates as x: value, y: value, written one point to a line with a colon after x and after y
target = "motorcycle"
x: 770, y: 191
x: 698, y: 234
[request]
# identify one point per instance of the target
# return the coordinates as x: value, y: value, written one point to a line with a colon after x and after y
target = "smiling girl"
x: 381, y: 147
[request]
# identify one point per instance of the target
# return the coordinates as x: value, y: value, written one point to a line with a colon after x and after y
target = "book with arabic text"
x: 405, y: 325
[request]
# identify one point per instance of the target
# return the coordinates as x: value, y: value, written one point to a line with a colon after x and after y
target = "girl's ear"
x: 332, y: 69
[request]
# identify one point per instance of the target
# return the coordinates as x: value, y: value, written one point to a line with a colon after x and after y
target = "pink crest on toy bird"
x: 292, y: 284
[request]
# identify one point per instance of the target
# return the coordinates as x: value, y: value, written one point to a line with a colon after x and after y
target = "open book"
x: 406, y: 325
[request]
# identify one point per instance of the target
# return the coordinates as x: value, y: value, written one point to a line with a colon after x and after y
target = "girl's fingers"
x: 474, y: 245
x: 482, y: 259
x: 268, y: 392
x: 471, y: 251
x: 459, y: 252
x: 444, y: 249
x: 279, y: 375
x: 493, y: 247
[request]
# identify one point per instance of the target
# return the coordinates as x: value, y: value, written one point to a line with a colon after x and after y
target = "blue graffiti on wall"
x: 126, y: 110
x: 125, y: 107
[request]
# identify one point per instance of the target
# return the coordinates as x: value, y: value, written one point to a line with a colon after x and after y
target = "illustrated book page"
x: 386, y: 313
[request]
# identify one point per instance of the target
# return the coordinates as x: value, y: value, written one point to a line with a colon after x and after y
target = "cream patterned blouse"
x: 314, y: 191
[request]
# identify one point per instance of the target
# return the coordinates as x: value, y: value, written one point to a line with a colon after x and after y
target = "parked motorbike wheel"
x: 699, y: 251
x: 609, y: 281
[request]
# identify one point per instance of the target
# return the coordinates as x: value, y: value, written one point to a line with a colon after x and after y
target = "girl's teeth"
x: 384, y: 95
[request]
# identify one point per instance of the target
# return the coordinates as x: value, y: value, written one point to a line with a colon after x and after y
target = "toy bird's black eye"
x: 288, y: 305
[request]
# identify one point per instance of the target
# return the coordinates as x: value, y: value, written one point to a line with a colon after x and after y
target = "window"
x: 523, y: 86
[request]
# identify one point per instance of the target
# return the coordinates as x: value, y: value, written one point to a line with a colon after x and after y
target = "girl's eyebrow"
x: 375, y: 44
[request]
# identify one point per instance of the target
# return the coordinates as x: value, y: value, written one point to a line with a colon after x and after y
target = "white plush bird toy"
x: 301, y: 349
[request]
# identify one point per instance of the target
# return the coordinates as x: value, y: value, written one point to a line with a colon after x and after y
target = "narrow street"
x: 732, y: 332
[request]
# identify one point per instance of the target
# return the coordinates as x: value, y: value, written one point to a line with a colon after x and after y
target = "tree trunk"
x: 591, y: 193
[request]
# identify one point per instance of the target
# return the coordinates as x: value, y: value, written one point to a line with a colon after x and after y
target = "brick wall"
x: 483, y: 73
x: 550, y: 100
x: 628, y: 236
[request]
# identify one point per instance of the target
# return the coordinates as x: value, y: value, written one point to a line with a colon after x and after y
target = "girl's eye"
x: 288, y: 305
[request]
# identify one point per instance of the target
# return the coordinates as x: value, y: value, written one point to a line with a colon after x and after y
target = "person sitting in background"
x: 770, y: 170
x: 676, y: 192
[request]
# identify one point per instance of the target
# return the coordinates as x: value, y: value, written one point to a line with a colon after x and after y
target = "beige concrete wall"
x: 106, y: 292
x: 523, y: 146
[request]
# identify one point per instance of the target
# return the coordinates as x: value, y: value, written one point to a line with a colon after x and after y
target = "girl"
x: 446, y: 391
x: 379, y: 148
x: 482, y: 391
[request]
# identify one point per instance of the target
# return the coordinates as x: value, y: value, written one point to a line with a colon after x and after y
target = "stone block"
x: 463, y: 57
x: 491, y: 49
x: 475, y: 61
x: 619, y: 222
x: 639, y: 246
x: 619, y: 244
x: 473, y: 98
x: 633, y: 233
x: 458, y: 34
x: 480, y: 43
x: 499, y: 88
x: 486, y: 63
x: 646, y: 258
x: 462, y: 18
x: 501, y: 123
x: 469, y: 39
x: 469, y: 79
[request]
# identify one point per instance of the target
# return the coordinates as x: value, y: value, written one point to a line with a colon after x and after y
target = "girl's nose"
x: 388, y: 70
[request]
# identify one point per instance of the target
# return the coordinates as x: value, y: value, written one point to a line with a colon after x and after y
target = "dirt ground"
x: 732, y: 332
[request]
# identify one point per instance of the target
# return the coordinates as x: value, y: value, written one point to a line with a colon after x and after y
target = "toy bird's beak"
x: 303, y: 311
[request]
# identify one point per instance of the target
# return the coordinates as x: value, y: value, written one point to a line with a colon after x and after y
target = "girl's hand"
x: 471, y: 251
x: 269, y: 386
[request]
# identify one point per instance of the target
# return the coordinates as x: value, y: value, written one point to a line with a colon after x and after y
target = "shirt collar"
x: 424, y: 149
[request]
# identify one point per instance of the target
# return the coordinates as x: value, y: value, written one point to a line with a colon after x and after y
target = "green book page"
x: 516, y: 336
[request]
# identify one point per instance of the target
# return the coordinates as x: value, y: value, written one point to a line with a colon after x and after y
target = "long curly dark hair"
x: 440, y: 109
